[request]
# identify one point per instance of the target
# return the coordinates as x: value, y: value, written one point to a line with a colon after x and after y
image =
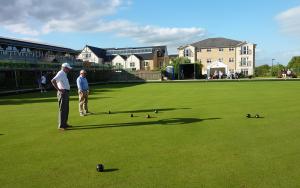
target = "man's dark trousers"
x: 63, y: 104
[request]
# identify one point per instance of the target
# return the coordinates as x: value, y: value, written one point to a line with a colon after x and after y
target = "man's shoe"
x: 82, y: 114
x: 89, y: 113
x: 68, y: 126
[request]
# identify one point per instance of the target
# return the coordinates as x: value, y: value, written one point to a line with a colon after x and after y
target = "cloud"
x: 22, y: 29
x: 154, y: 35
x: 289, y: 21
x: 34, y: 17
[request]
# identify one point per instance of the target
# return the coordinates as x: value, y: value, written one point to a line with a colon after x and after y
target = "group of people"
x: 220, y: 75
x: 61, y: 84
x: 217, y: 75
x: 286, y: 73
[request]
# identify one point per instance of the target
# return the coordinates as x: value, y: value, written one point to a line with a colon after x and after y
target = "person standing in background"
x: 43, y: 83
x: 83, y: 92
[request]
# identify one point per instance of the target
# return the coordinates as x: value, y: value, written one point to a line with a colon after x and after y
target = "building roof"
x: 99, y: 52
x: 102, y: 52
x: 122, y: 56
x: 173, y: 56
x: 35, y: 45
x: 216, y: 43
x: 144, y: 56
x: 139, y: 56
x: 156, y: 47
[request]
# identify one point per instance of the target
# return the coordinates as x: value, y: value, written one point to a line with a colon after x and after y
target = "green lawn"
x: 199, y: 138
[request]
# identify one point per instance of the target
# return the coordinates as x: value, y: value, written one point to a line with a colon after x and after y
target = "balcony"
x: 245, y: 52
x: 245, y: 64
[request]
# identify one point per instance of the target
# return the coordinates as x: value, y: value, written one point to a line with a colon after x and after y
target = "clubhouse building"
x: 221, y: 54
x: 17, y: 50
x: 133, y: 58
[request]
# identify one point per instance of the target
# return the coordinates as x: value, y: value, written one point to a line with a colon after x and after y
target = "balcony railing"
x: 35, y: 59
x: 245, y: 64
x: 26, y: 62
x: 245, y: 52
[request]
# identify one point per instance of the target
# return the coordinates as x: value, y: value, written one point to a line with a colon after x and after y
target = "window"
x: 220, y: 59
x: 146, y: 64
x: 244, y: 61
x: 244, y: 50
x: 231, y: 60
x: 244, y: 72
x: 132, y: 64
x: 231, y: 49
x: 119, y: 65
x: 159, y: 54
x: 161, y: 64
x: 231, y: 71
x: 208, y: 50
x: 208, y: 61
x: 221, y: 49
x: 87, y: 55
x: 187, y: 53
x: 198, y: 50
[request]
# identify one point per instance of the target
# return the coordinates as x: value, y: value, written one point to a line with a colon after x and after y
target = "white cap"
x: 67, y: 65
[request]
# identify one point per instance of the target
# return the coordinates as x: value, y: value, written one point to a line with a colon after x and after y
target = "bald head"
x: 83, y: 73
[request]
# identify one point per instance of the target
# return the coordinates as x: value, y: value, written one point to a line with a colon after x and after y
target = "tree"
x: 263, y: 71
x: 276, y: 71
x: 176, y: 62
x: 294, y: 65
x: 199, y: 72
x: 268, y: 71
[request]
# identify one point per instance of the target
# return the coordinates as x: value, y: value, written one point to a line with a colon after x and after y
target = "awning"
x: 217, y: 65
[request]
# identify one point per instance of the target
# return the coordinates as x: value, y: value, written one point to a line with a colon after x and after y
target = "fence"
x: 16, y: 64
x: 124, y: 75
x: 28, y: 78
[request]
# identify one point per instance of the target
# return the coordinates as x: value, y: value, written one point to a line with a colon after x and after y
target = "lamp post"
x: 195, y: 71
x: 195, y: 59
x: 278, y: 69
x: 272, y: 67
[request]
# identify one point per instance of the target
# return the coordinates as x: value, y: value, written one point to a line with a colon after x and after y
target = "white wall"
x: 92, y: 58
x: 119, y: 60
x: 193, y: 54
x: 251, y: 58
x: 135, y: 60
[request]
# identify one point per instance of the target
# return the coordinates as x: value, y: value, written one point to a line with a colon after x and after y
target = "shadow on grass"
x: 1, y: 134
x: 110, y: 170
x: 172, y: 121
x: 20, y: 101
x: 111, y: 87
x: 141, y: 111
x: 260, y: 117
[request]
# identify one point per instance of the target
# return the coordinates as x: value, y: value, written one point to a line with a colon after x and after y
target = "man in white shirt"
x: 289, y: 73
x: 61, y: 84
x: 43, y: 83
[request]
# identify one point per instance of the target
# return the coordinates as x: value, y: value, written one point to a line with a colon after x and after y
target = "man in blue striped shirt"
x: 83, y: 92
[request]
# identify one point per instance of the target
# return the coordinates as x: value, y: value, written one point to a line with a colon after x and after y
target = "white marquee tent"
x: 217, y: 65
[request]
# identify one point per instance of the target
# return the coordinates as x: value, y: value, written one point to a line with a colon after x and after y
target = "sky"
x: 274, y: 25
